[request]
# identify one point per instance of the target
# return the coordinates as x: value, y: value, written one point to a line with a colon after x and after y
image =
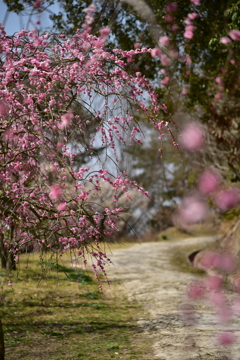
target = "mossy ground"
x: 61, y: 315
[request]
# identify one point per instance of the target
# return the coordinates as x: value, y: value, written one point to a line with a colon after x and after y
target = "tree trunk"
x: 2, y: 347
x: 3, y: 253
x: 7, y: 258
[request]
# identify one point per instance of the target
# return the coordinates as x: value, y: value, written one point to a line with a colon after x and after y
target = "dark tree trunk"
x: 2, y: 347
x: 3, y: 253
x: 7, y: 258
x: 11, y: 262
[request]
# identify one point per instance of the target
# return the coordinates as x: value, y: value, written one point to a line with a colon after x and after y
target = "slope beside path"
x: 146, y: 275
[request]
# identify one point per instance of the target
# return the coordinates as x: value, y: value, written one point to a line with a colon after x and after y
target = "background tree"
x: 195, y: 72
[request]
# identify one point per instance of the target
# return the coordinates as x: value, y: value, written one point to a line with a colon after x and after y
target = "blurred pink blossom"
x: 137, y: 46
x: 169, y: 18
x: 236, y: 306
x: 165, y: 60
x: 208, y: 182
x: 224, y: 314
x: 195, y: 290
x: 62, y: 206
x: 37, y: 3
x: 193, y: 210
x: 192, y: 137
x: 218, y: 96
x: 225, y: 263
x: 213, y: 282
x: 217, y: 298
x: 3, y: 108
x: 192, y: 16
x: 195, y: 2
x: 226, y: 338
x: 218, y: 80
x: 190, y: 28
x: 105, y: 31
x: 188, y: 34
x: 56, y: 192
x: 171, y: 7
x: 227, y: 199
x: 225, y: 40
x: 235, y: 35
x: 66, y: 119
x: 209, y: 260
x: 155, y: 52
x: 165, y: 81
x: 164, y: 40
x: 174, y: 27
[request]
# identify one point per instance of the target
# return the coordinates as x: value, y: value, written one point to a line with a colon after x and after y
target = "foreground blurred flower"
x: 235, y: 35
x: 208, y: 182
x: 192, y: 210
x: 226, y: 338
x: 192, y: 137
x: 227, y: 199
x: 56, y: 192
x: 195, y: 290
x: 66, y: 119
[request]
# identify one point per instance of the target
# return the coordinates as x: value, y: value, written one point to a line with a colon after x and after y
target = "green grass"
x: 61, y: 315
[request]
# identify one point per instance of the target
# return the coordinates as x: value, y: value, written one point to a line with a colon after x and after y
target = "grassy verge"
x: 63, y: 316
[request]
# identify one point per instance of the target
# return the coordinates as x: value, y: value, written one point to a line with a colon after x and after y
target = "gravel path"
x: 146, y: 275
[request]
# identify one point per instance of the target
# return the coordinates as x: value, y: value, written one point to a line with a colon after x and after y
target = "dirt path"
x: 146, y: 275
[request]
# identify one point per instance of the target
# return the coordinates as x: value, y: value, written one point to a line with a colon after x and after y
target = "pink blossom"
x: 208, y: 182
x: 3, y: 108
x: 155, y: 52
x: 224, y: 314
x: 105, y: 31
x: 56, y: 192
x: 169, y: 18
x: 236, y: 307
x: 192, y: 137
x: 213, y: 283
x: 218, y: 80
x: 195, y: 2
x: 235, y: 35
x: 225, y: 40
x: 171, y: 7
x: 188, y: 34
x: 174, y: 27
x: 225, y: 263
x: 226, y: 338
x: 10, y: 283
x: 37, y: 3
x: 193, y: 210
x: 195, y: 290
x: 218, y: 96
x: 164, y: 40
x: 190, y: 28
x: 184, y: 91
x: 209, y: 260
x: 165, y: 60
x: 137, y: 46
x: 192, y: 16
x: 66, y: 119
x: 217, y: 298
x: 227, y: 199
x: 62, y: 206
x: 165, y: 81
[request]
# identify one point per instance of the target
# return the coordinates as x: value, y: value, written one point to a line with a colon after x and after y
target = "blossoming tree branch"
x: 44, y: 194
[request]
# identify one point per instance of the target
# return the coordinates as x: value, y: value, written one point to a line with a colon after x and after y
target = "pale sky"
x: 15, y: 23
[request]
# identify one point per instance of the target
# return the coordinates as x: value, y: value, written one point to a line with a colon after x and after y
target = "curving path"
x: 146, y: 275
